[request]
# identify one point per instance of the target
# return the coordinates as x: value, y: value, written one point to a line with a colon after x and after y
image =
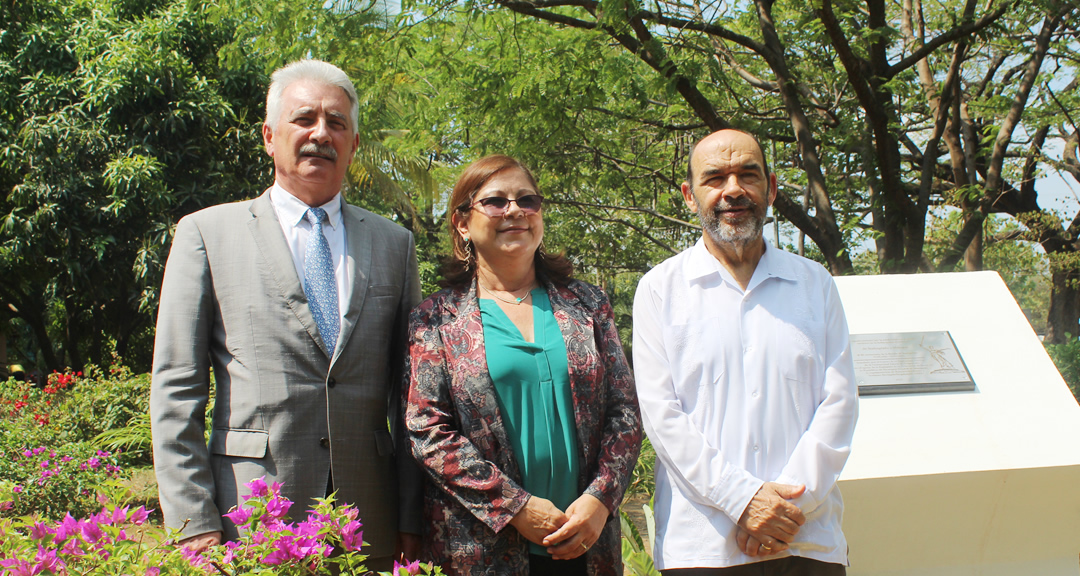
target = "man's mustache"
x: 315, y: 149
x: 740, y: 202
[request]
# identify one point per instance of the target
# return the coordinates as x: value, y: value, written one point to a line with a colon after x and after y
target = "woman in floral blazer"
x: 479, y: 518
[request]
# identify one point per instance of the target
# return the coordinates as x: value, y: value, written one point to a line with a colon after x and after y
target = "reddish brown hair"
x: 555, y: 268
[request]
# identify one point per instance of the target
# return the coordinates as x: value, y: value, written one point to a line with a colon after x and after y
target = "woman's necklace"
x: 514, y: 301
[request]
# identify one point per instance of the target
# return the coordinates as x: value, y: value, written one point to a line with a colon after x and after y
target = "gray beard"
x: 722, y: 233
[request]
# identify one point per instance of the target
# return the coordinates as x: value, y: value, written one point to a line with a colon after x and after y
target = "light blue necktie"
x: 320, y: 285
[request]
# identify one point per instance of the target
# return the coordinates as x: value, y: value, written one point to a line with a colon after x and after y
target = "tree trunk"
x: 1064, y: 306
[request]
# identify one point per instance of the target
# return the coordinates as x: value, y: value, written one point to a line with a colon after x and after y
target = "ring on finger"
x: 585, y: 546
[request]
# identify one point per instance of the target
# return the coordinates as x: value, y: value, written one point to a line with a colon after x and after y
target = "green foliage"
x: 637, y: 558
x: 117, y: 119
x: 1066, y: 357
x: 643, y: 480
x: 1008, y: 250
x: 118, y: 540
x: 52, y: 480
x: 78, y: 408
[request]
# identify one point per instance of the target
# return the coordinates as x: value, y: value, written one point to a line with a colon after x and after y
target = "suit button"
x: 331, y: 383
x: 324, y: 442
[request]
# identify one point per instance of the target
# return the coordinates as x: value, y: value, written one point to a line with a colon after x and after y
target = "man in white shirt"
x: 746, y: 385
x: 299, y: 302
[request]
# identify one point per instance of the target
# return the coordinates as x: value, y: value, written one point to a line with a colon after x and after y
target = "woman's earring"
x: 541, y: 249
x: 468, y: 255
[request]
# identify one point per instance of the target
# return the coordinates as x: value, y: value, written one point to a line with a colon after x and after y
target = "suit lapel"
x: 266, y: 230
x: 357, y: 266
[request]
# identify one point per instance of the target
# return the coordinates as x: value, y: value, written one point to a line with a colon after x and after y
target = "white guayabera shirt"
x: 738, y: 388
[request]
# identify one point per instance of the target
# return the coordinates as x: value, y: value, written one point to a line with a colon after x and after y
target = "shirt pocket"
x: 696, y: 357
x: 799, y: 367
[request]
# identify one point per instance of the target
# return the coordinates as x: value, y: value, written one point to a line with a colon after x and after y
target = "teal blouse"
x: 532, y: 386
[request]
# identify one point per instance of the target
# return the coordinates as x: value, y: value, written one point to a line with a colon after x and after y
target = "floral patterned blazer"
x: 459, y: 438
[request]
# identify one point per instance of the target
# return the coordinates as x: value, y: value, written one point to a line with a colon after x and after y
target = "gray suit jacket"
x: 284, y: 408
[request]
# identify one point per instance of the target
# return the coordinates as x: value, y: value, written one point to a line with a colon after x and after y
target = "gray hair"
x: 312, y: 70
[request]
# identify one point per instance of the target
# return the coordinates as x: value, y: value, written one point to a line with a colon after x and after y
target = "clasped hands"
x: 566, y: 535
x: 770, y: 522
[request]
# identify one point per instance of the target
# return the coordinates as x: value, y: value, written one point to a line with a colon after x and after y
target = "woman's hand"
x: 587, y: 518
x: 538, y: 519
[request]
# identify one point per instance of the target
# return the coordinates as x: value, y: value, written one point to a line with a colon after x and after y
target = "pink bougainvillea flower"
x: 47, y: 560
x: 72, y: 548
x: 309, y: 528
x: 194, y: 557
x: 410, y: 569
x: 304, y: 547
x: 66, y: 528
x: 119, y: 515
x: 139, y: 516
x: 39, y: 530
x: 352, y: 538
x: 276, y: 557
x: 230, y: 551
x: 92, y: 532
x: 239, y: 516
x: 153, y: 571
x: 17, y: 567
x: 258, y: 488
x: 278, y: 507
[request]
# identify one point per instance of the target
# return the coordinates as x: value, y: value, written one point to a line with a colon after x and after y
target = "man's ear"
x: 772, y: 188
x: 268, y: 139
x: 688, y: 197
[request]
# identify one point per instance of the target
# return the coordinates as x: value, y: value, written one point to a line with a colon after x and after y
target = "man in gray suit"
x: 299, y: 303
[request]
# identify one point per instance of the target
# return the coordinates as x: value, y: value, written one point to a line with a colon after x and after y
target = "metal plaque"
x: 908, y: 362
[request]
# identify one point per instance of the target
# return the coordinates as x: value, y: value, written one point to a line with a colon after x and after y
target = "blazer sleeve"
x: 453, y: 462
x: 621, y: 419
x: 180, y: 386
x: 410, y: 476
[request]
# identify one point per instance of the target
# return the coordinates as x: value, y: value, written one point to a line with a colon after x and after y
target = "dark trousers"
x: 545, y: 566
x: 789, y: 566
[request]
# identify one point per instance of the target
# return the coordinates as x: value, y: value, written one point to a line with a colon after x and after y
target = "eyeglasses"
x: 495, y: 206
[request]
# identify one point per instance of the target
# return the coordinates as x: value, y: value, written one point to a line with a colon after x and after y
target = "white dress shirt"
x: 738, y: 388
x: 290, y: 212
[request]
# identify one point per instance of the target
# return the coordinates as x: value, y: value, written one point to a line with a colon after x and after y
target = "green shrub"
x: 76, y: 407
x: 52, y: 481
x: 643, y: 481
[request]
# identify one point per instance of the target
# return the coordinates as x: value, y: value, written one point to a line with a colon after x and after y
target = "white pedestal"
x: 974, y: 483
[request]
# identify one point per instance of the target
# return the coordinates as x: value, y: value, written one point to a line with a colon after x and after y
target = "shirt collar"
x: 291, y: 209
x: 700, y: 264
